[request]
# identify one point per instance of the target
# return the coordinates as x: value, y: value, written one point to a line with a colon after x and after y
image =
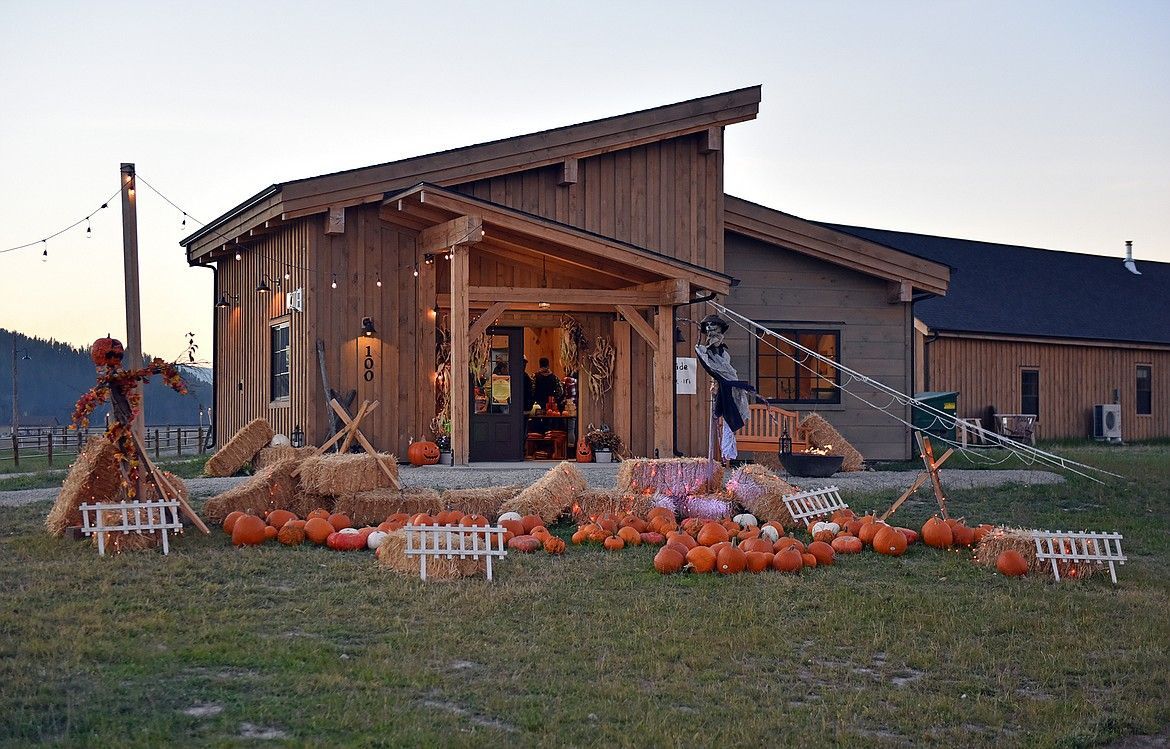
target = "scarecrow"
x: 730, y: 392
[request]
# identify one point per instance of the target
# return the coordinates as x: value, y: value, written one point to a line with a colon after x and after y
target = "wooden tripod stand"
x: 930, y: 474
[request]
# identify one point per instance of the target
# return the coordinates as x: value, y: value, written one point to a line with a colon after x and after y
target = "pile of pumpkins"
x: 615, y: 533
x: 740, y: 544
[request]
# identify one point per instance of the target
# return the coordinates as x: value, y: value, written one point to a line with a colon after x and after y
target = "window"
x: 279, y: 378
x: 779, y: 377
x: 1144, y: 399
x: 1030, y: 392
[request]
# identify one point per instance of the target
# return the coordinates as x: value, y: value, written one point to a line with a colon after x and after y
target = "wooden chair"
x: 764, y: 427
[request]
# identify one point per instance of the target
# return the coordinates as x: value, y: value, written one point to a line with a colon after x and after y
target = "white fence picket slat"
x: 136, y: 517
x: 805, y: 506
x: 1095, y: 548
x: 442, y: 544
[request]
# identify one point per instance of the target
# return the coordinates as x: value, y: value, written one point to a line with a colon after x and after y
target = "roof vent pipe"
x: 1129, y: 265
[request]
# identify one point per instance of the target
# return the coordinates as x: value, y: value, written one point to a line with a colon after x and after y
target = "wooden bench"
x: 762, y: 431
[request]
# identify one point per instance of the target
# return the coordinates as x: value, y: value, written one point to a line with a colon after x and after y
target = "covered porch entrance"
x: 485, y: 266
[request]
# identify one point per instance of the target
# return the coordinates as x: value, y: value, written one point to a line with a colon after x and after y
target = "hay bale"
x: 239, y: 449
x: 595, y: 503
x: 117, y: 542
x: 269, y: 455
x: 373, y: 507
x: 761, y: 493
x: 714, y: 506
x: 272, y: 488
x: 304, y: 502
x: 675, y: 477
x: 551, y: 495
x: 485, y: 500
x: 94, y: 477
x: 346, y: 474
x: 821, y: 434
x: 392, y: 555
x: 1002, y: 538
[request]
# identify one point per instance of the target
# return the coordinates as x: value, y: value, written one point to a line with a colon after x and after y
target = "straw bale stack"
x: 712, y: 506
x: 269, y: 455
x: 345, y: 474
x: 551, y: 495
x: 94, y: 477
x: 392, y: 555
x: 120, y: 541
x: 271, y: 488
x: 594, y: 503
x: 821, y: 433
x: 373, y: 507
x: 676, y: 477
x: 239, y: 449
x: 485, y: 500
x: 761, y: 493
x: 304, y: 502
x: 1002, y: 538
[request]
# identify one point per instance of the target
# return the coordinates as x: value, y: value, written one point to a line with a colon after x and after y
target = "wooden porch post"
x: 425, y: 347
x: 460, y: 356
x: 664, y: 384
x: 621, y: 380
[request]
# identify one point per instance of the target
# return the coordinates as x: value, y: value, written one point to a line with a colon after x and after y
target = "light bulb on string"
x: 379, y: 282
x: 45, y: 251
x: 237, y: 254
x: 334, y: 282
x: 88, y: 229
x: 416, y: 271
x: 183, y: 225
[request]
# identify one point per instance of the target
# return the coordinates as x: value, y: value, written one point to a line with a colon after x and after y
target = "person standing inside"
x: 546, y: 385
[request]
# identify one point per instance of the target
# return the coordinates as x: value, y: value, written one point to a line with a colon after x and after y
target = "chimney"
x: 1129, y: 265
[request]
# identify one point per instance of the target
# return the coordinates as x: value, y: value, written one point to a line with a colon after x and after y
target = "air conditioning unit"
x: 1107, y: 422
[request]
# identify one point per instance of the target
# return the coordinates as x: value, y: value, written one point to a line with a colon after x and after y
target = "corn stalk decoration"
x: 574, y: 345
x: 439, y: 424
x: 601, y: 362
x: 479, y: 361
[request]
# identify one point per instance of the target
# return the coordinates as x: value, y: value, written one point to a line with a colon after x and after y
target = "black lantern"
x: 785, y: 442
x: 368, y: 326
x: 298, y: 437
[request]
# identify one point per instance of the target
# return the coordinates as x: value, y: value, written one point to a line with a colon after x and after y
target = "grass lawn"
x: 44, y: 477
x: 216, y: 645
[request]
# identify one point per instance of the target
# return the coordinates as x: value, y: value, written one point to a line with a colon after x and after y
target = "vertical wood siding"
x: 1072, y: 380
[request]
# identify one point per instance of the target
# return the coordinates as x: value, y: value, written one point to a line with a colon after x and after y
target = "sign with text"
x: 686, y: 375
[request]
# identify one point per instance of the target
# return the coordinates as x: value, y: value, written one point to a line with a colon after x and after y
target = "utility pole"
x: 15, y: 408
x: 133, y: 305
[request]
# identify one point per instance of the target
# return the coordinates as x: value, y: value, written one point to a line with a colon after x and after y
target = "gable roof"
x: 1025, y: 291
x: 369, y: 184
x: 825, y: 243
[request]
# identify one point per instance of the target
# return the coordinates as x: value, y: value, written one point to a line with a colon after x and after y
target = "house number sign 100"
x: 368, y: 365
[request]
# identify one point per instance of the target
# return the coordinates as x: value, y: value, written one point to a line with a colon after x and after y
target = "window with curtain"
x: 279, y: 377
x: 785, y: 374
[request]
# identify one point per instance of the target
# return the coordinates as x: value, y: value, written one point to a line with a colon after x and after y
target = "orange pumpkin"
x: 291, y: 534
x: 823, y: 552
x: 847, y: 545
x: 653, y: 539
x: 318, y: 513
x: 554, y: 545
x: 630, y: 536
x: 1011, y: 563
x: 662, y: 512
x: 787, y: 560
x: 668, y: 561
x: 107, y: 352
x: 399, y: 517
x: 682, y: 550
x: 248, y: 531
x: 682, y: 538
x: 317, y: 530
x: 579, y: 537
x: 869, y: 530
x: 757, y: 545
x: 517, y: 528
x: 889, y: 541
x: 701, y: 559
x: 981, y: 532
x: 730, y: 560
x: 808, y: 560
x: 530, y: 522
x: 910, y: 534
x: 785, y: 541
x: 448, y: 517
x: 584, y: 451
x: 963, y: 535
x: 340, y: 521
x: 525, y: 544
x: 613, y: 543
x: 758, y: 561
x: 936, y: 533
x: 230, y: 521
x: 711, y: 534
x: 421, y: 518
x: 269, y: 533
x: 277, y: 518
x: 339, y: 541
x: 423, y: 453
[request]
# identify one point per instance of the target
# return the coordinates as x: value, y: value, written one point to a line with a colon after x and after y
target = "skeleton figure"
x: 731, y: 393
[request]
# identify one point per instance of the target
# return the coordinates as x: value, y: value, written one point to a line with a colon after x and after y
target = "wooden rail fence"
x: 59, y: 445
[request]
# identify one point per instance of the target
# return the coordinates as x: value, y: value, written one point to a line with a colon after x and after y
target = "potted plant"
x: 604, y: 442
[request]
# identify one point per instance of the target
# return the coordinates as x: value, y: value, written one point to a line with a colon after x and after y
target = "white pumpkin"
x: 745, y: 520
x: 280, y: 440
x: 349, y: 531
x: 818, y: 527
x: 769, y: 532
x: 834, y: 527
x: 509, y: 516
x: 375, y: 539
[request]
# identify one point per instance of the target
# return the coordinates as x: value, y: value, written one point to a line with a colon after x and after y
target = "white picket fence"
x: 811, y: 505
x: 455, y: 541
x: 1066, y: 546
x: 160, y: 515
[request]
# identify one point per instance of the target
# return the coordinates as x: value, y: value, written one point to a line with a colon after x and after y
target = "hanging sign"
x: 686, y: 371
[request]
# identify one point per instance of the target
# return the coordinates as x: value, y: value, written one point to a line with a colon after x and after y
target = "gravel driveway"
x: 444, y: 477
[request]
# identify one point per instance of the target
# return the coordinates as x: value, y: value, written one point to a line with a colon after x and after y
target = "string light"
x: 416, y: 271
x: 333, y: 284
x: 88, y: 229
x: 84, y: 219
x: 45, y: 251
x: 379, y: 281
x: 237, y: 254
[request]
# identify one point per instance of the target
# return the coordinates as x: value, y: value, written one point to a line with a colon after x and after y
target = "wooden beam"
x: 711, y: 140
x: 584, y: 279
x: 568, y: 296
x: 673, y: 290
x: 335, y: 220
x: 643, y: 328
x: 444, y: 302
x: 460, y: 357
x: 664, y: 384
x: 899, y: 291
x: 364, y: 200
x: 568, y: 172
x: 621, y: 380
x: 484, y: 321
x: 458, y: 231
x: 589, y: 264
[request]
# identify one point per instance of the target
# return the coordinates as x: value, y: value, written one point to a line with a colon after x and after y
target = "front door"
x: 497, y: 402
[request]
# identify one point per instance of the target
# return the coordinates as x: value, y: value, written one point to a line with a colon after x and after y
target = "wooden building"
x: 1042, y: 332
x: 620, y: 223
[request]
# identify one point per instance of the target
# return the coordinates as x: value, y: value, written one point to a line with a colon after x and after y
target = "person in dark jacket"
x: 547, y: 385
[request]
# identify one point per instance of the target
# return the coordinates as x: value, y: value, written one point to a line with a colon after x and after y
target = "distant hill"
x: 56, y: 374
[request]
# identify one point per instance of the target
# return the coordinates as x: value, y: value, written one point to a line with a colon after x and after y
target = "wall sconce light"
x: 368, y: 326
x: 225, y: 300
x: 429, y: 258
x: 263, y: 287
x: 544, y: 305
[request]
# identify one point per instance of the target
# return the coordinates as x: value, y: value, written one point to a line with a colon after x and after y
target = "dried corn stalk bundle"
x: 675, y: 477
x: 392, y: 555
x: 601, y: 362
x: 821, y: 434
x: 551, y: 495
x: 484, y: 501
x: 239, y: 450
x: 761, y: 493
x: 574, y: 345
x: 93, y: 478
x: 271, y: 488
x: 345, y: 474
x: 374, y: 506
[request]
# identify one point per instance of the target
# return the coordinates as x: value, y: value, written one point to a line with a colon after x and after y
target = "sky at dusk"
x: 1041, y: 123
